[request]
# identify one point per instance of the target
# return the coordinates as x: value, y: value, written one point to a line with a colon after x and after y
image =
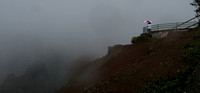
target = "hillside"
x: 37, y: 79
x: 129, y: 68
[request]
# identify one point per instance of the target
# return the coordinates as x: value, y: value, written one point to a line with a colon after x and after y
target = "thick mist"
x: 36, y: 31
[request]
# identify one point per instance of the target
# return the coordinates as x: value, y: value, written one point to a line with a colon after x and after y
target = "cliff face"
x: 33, y: 81
x: 126, y: 67
x: 37, y: 79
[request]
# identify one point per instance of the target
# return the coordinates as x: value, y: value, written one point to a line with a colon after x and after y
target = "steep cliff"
x: 128, y: 68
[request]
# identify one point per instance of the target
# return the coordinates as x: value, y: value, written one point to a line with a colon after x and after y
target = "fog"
x: 31, y: 31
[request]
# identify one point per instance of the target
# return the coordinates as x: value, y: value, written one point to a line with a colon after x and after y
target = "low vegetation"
x: 140, y: 38
x: 185, y: 76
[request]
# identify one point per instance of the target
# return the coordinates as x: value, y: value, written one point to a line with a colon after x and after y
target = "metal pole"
x: 186, y: 22
x: 158, y: 27
x: 144, y: 29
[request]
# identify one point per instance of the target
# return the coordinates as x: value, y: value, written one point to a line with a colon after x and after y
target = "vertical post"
x: 144, y: 29
x: 158, y: 27
x: 176, y: 26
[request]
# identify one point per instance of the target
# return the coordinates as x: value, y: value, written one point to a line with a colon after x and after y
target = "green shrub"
x: 145, y: 37
x: 171, y: 85
x: 140, y: 38
x: 133, y: 40
x: 192, y: 54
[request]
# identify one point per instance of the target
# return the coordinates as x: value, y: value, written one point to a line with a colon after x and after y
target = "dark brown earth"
x: 127, y: 68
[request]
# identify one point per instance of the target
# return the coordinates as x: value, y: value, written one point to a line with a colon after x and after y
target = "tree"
x: 196, y: 3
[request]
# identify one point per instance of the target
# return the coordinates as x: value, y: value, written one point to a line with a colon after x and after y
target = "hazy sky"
x: 31, y: 28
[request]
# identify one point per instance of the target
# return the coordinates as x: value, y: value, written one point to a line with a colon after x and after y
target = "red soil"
x: 125, y: 69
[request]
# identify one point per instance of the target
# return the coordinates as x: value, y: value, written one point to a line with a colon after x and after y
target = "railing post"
x: 158, y: 27
x: 144, y: 29
x: 176, y: 26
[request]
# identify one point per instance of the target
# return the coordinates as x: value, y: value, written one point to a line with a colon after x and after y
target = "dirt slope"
x: 126, y: 68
